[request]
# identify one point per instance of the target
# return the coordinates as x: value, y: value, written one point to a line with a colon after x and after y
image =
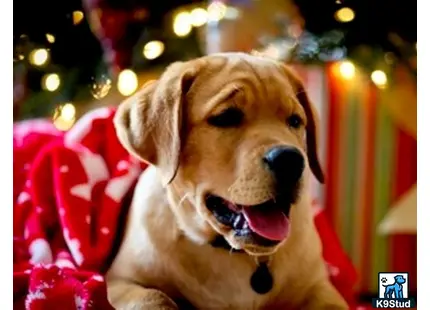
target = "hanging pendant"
x: 261, y: 279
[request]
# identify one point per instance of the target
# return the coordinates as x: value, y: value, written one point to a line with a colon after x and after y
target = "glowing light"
x: 379, y: 78
x: 216, y: 11
x: 127, y: 82
x: 64, y: 116
x: 62, y: 124
x: 344, y: 15
x: 50, y: 38
x: 199, y: 17
x: 347, y: 70
x: 68, y: 112
x: 182, y: 24
x: 153, y: 49
x: 77, y: 16
x: 231, y: 13
x: 101, y: 87
x: 39, y: 57
x: 51, y: 81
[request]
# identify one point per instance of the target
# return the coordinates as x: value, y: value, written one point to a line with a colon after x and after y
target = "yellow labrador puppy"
x: 222, y: 217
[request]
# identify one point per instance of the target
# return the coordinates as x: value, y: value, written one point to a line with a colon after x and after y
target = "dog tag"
x: 261, y: 279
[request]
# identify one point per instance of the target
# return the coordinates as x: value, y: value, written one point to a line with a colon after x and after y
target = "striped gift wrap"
x: 370, y: 161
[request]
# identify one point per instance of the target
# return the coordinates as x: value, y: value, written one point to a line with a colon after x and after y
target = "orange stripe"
x: 332, y: 144
x: 341, y: 159
x: 370, y: 114
x: 359, y: 195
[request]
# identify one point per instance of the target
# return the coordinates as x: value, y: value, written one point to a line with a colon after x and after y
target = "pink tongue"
x: 270, y: 223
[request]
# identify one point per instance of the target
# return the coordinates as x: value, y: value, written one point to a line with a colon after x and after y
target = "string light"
x: 182, y: 24
x: 379, y: 78
x: 199, y: 17
x: 50, y: 38
x: 216, y: 11
x: 127, y: 82
x: 39, y: 57
x: 51, y: 82
x: 344, y: 15
x: 153, y: 49
x: 347, y: 70
x: 77, y: 16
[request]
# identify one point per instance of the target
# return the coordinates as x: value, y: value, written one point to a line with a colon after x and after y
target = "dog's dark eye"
x: 231, y: 117
x: 294, y: 121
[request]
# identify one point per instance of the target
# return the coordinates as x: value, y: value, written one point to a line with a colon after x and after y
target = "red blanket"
x: 69, y: 191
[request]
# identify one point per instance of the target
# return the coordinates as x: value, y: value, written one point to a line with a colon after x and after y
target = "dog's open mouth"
x: 267, y: 224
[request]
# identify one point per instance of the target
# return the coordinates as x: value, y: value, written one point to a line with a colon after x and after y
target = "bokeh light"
x: 50, y: 38
x: 101, y: 87
x: 344, y: 15
x: 51, y: 82
x: 153, y: 49
x: 199, y: 17
x: 77, y: 16
x: 216, y: 11
x: 64, y: 116
x: 127, y: 82
x: 68, y: 112
x: 347, y: 70
x: 39, y: 57
x: 182, y: 24
x: 379, y: 78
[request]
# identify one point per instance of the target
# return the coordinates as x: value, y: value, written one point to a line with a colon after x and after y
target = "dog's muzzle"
x: 265, y: 224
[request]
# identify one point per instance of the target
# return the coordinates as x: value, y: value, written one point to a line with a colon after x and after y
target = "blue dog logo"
x: 395, y: 290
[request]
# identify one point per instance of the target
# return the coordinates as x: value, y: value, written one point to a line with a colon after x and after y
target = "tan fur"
x: 166, y: 250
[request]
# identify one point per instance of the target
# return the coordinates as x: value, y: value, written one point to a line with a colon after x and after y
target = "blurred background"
x: 357, y: 58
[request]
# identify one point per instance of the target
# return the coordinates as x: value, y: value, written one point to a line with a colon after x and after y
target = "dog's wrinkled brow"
x: 227, y: 94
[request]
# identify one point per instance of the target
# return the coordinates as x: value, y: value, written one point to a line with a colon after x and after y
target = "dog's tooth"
x: 237, y: 222
x: 245, y: 225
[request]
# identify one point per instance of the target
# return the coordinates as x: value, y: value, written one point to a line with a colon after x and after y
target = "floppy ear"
x: 311, y: 126
x: 149, y: 123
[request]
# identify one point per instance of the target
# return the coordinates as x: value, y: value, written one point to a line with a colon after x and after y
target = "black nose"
x: 286, y: 163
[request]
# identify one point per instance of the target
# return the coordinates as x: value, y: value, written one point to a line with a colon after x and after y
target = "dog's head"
x: 399, y: 279
x: 233, y: 137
